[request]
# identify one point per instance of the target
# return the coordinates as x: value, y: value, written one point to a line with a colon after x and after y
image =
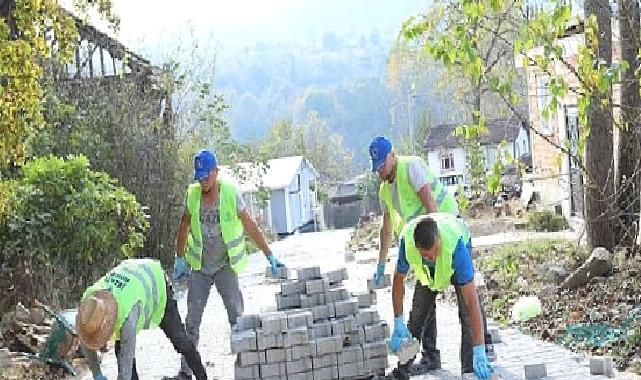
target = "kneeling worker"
x: 133, y: 296
x: 438, y: 248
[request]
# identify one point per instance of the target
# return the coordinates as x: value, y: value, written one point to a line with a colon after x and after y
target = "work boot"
x: 402, y: 372
x: 431, y: 360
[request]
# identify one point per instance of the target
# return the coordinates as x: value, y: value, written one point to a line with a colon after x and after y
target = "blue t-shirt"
x: 461, y: 261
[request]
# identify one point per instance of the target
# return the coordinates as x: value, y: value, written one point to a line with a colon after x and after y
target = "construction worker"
x: 438, y: 248
x: 133, y: 296
x: 211, y: 240
x: 408, y: 189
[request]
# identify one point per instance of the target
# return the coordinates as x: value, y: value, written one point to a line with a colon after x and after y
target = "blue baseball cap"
x: 378, y: 150
x: 204, y: 162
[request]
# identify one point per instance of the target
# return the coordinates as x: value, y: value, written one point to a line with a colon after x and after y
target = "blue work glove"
x: 180, y: 268
x: 482, y: 367
x: 100, y: 377
x: 400, y: 333
x: 379, y: 276
x: 274, y: 263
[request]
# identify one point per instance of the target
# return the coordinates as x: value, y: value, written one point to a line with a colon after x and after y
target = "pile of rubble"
x: 366, y: 234
x: 320, y: 331
x: 23, y: 333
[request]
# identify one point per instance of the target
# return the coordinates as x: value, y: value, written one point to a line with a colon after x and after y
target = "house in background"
x: 446, y: 155
x: 288, y: 183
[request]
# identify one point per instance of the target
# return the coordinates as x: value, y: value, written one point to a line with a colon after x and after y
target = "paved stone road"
x: 156, y: 358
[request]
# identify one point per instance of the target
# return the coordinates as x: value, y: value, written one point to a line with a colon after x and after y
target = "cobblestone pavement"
x: 155, y: 356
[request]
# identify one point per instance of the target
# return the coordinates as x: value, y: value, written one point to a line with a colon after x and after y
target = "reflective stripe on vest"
x: 450, y: 229
x: 230, y: 225
x: 409, y: 202
x: 135, y: 281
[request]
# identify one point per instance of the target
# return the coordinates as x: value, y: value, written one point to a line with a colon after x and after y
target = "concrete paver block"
x: 350, y: 355
x: 296, y: 337
x: 337, y: 276
x: 312, y: 348
x: 291, y: 301
x: 311, y: 300
x: 602, y: 365
x: 282, y: 273
x: 368, y: 317
x: 408, y: 350
x: 309, y: 273
x: 338, y: 294
x: 534, y: 371
x: 365, y: 299
x: 247, y: 322
x: 242, y: 341
x: 300, y: 365
x: 265, y: 341
x: 330, y: 344
x: 320, y: 312
x: 321, y: 330
x: 495, y: 334
x: 377, y: 364
x: 371, y: 284
x: 376, y: 349
x: 292, y: 287
x: 376, y: 332
x: 299, y: 319
x: 301, y: 376
x: 246, y: 372
x: 274, y: 355
x: 251, y: 358
x: 274, y: 323
x: 354, y: 369
x: 354, y: 338
x: 345, y: 308
x: 297, y: 352
x: 316, y: 286
x: 327, y: 373
x: 273, y: 370
x: 322, y: 361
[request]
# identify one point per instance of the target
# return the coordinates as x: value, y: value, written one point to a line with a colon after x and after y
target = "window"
x: 447, y: 162
x: 543, y: 98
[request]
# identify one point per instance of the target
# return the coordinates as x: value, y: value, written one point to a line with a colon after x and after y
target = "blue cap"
x: 378, y: 150
x: 204, y: 162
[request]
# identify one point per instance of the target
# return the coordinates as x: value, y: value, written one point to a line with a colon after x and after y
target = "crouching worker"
x: 133, y: 296
x: 437, y: 247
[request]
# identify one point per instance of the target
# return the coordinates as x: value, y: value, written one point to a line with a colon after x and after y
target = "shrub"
x: 68, y: 225
x: 546, y: 220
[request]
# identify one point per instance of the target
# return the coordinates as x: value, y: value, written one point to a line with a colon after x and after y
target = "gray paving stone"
x: 317, y: 286
x: 297, y: 352
x: 320, y: 312
x: 354, y: 369
x: 368, y: 317
x: 350, y: 355
x: 296, y: 337
x: 242, y: 341
x: 354, y: 337
x: 300, y: 365
x: 301, y: 376
x: 264, y: 341
x: 533, y: 371
x: 345, y: 308
x: 375, y: 349
x: 325, y: 360
x: 602, y: 365
x: 371, y: 284
x: 338, y: 294
x: 365, y: 299
x: 299, y: 319
x: 274, y: 355
x: 376, y: 364
x: 311, y: 300
x: 282, y: 273
x: 376, y: 332
x: 330, y: 344
x: 246, y: 372
x: 292, y: 287
x: 336, y: 276
x: 309, y: 273
x: 321, y: 330
x: 327, y: 373
x: 247, y: 322
x: 292, y: 301
x: 273, y: 370
x: 274, y: 323
x: 251, y: 358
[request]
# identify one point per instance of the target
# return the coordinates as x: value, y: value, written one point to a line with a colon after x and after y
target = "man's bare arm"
x: 474, y: 309
x: 183, y: 230
x: 398, y: 292
x: 385, y: 238
x: 425, y: 194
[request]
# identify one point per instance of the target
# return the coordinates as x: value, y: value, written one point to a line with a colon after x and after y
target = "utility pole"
x: 409, y: 115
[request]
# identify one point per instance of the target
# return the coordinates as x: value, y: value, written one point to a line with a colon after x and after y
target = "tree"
x: 26, y: 31
x: 628, y: 178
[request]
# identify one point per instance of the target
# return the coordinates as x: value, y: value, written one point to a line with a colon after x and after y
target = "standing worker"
x: 437, y: 247
x: 408, y: 189
x: 133, y: 296
x: 211, y: 239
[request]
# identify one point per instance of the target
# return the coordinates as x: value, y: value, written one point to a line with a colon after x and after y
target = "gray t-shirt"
x: 214, y: 250
x: 416, y: 173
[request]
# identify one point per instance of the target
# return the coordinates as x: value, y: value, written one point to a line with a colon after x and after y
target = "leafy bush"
x: 68, y: 225
x: 546, y: 220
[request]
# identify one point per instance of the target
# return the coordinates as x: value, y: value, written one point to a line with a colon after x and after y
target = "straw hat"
x: 96, y: 319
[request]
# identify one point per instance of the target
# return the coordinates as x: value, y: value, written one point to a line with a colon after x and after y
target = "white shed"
x: 292, y: 185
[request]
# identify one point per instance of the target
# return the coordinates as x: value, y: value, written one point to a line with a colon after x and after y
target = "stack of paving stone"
x: 320, y: 332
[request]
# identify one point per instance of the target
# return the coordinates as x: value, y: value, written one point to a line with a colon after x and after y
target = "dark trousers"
x: 422, y: 323
x: 172, y: 326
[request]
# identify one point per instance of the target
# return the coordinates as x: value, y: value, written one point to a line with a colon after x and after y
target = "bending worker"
x: 438, y: 248
x: 211, y: 239
x: 408, y: 189
x: 133, y: 296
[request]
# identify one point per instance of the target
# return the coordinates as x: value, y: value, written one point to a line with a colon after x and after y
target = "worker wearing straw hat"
x: 131, y: 297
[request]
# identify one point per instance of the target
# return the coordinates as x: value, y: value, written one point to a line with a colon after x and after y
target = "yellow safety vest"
x: 131, y: 282
x: 409, y: 202
x: 450, y: 229
x: 230, y: 225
